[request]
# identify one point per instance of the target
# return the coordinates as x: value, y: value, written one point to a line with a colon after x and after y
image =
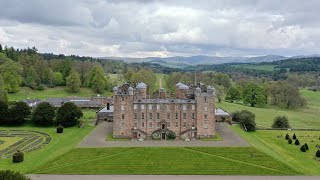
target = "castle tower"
x: 162, y: 93
x: 141, y: 90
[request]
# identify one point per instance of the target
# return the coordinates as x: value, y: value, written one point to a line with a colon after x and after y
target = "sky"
x: 152, y: 28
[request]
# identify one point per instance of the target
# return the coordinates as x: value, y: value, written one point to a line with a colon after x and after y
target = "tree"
x: 43, y: 114
x: 222, y: 79
x: 58, y: 79
x: 290, y: 141
x: 73, y: 81
x: 219, y: 92
x: 281, y: 122
x: 303, y: 148
x: 19, y: 113
x: 236, y: 116
x: 297, y: 142
x: 31, y: 79
x: 294, y: 136
x: 233, y: 94
x: 306, y: 145
x: 10, y: 72
x: 255, y: 95
x: 11, y: 175
x: 1, y: 48
x: 287, y: 136
x: 4, y: 112
x: 318, y: 153
x: 3, y: 92
x: 247, y: 119
x: 98, y: 80
x: 68, y: 114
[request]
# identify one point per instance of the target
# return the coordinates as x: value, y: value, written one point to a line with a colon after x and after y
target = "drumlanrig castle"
x: 190, y: 113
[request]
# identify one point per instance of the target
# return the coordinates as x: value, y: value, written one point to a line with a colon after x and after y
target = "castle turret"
x: 182, y: 91
x: 115, y: 90
x: 141, y: 90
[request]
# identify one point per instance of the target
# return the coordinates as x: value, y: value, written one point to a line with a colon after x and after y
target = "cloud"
x: 162, y: 28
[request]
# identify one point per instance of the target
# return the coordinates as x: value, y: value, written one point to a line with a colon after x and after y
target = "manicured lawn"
x: 59, y: 145
x: 268, y: 142
x: 57, y: 92
x: 307, y: 117
x: 216, y: 138
x: 202, y: 160
x: 7, y: 141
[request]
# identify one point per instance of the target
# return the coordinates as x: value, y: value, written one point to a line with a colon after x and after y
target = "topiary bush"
x: 318, y: 153
x: 290, y: 141
x: 287, y: 137
x: 306, y: 145
x: 297, y: 142
x: 303, y: 148
x: 294, y: 136
x: 17, y: 157
x: 171, y: 135
x: 11, y: 175
x: 60, y: 129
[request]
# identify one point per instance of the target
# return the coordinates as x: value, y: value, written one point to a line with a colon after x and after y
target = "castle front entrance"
x: 163, y: 136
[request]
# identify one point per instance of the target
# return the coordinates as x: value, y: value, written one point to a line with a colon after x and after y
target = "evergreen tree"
x: 98, y: 80
x: 318, y: 153
x: 294, y: 136
x: 1, y: 48
x: 290, y: 141
x: 68, y: 114
x: 306, y: 145
x: 303, y: 148
x: 287, y: 136
x: 43, y: 114
x: 18, y: 113
x: 297, y: 142
x: 73, y: 81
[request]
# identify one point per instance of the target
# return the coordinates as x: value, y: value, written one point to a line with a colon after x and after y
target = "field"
x: 267, y: 141
x: 56, y: 92
x: 219, y: 161
x: 256, y: 67
x: 307, y: 117
x: 59, y: 144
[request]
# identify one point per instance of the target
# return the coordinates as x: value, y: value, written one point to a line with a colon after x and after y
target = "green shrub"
x: 40, y: 87
x: 281, y: 122
x: 171, y: 135
x: 247, y: 119
x: 303, y: 148
x: 11, y: 175
x: 306, y: 145
x: 287, y: 137
x: 318, y: 153
x: 297, y: 142
x: 294, y: 136
x: 290, y: 141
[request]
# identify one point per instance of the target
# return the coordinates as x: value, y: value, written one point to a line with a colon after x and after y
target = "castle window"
x: 158, y: 106
x: 142, y: 124
x: 150, y: 106
x: 150, y: 116
x: 177, y: 115
x: 168, y: 124
x: 192, y: 115
x: 142, y: 106
x: 193, y: 107
x: 205, y: 125
x: 135, y: 124
x: 205, y: 99
x: 150, y: 124
x: 122, y: 124
x: 158, y: 116
x: 142, y: 115
x: 158, y: 124
x: 184, y: 124
x: 122, y: 98
x: 135, y: 116
x: 122, y: 107
x: 184, y: 107
x: 192, y: 124
x: 184, y: 115
x: 135, y: 106
x: 205, y: 108
x: 122, y: 116
x: 205, y: 116
x: 177, y: 124
x: 168, y: 115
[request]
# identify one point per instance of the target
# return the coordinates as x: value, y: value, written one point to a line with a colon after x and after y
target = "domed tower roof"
x: 141, y: 85
x: 130, y: 89
x: 183, y: 87
x: 178, y: 84
x: 198, y: 89
x: 210, y: 88
x: 115, y: 88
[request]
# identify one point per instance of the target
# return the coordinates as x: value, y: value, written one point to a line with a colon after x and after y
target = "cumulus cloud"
x: 162, y: 28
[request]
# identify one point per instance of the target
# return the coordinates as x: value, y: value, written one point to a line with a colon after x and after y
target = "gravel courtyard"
x: 97, y: 138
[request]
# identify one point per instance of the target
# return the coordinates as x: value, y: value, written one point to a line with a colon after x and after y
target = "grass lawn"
x: 59, y: 145
x: 56, y: 92
x: 307, y: 117
x: 7, y: 141
x: 216, y: 138
x: 268, y: 142
x: 110, y: 138
x: 166, y: 160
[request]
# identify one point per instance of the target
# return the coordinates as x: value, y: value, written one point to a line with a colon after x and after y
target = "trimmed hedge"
x: 11, y: 175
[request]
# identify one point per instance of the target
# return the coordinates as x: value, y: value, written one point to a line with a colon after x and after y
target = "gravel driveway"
x: 98, y: 136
